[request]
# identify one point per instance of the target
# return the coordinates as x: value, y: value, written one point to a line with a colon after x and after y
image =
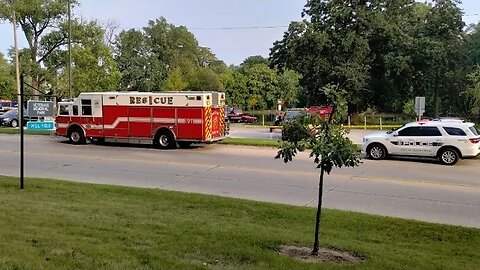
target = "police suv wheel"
x: 377, y: 151
x: 14, y: 123
x: 449, y: 156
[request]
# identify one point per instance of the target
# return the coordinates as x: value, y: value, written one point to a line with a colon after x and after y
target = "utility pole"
x: 15, y: 46
x: 69, y: 50
x: 20, y: 94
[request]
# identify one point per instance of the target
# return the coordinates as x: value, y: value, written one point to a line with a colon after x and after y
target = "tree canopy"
x: 384, y: 53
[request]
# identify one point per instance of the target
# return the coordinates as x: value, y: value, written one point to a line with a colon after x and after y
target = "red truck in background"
x: 238, y: 116
x: 282, y: 117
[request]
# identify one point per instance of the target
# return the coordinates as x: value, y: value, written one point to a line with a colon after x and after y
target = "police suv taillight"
x: 475, y: 140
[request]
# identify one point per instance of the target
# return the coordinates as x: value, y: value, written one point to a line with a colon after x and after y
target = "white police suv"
x: 445, y: 139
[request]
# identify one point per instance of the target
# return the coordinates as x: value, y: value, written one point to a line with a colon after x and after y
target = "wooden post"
x: 381, y: 128
x: 365, y: 123
x: 15, y: 48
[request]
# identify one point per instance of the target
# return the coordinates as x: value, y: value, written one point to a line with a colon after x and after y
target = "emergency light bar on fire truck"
x: 164, y: 118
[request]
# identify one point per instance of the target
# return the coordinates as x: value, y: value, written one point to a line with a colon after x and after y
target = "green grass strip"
x: 62, y: 225
x: 5, y: 130
x: 251, y: 142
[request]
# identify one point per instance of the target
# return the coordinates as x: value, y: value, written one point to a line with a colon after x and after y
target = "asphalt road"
x: 243, y: 131
x: 421, y: 190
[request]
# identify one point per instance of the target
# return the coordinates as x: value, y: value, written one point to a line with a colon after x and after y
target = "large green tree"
x: 383, y: 52
x: 147, y: 58
x: 331, y: 47
x: 7, y: 80
x: 39, y: 20
x: 93, y: 65
x: 205, y: 79
x: 255, y: 86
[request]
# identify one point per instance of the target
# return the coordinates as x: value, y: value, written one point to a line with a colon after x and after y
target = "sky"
x: 209, y: 20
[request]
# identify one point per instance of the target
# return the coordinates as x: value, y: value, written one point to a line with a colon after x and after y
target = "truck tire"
x: 164, y: 140
x: 76, y: 136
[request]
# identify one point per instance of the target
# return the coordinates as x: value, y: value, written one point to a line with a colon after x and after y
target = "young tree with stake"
x: 325, y: 139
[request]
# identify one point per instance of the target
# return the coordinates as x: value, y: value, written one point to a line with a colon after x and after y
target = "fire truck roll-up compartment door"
x: 190, y: 124
x: 139, y: 122
x: 115, y: 121
x: 163, y: 118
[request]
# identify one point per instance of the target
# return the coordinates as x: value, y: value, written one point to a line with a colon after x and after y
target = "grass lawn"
x: 250, y: 142
x: 6, y: 130
x: 62, y: 225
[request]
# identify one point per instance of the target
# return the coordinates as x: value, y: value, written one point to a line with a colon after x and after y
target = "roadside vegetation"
x: 6, y: 130
x: 251, y: 142
x: 63, y: 225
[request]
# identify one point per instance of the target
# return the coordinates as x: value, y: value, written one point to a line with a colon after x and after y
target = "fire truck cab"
x: 164, y: 118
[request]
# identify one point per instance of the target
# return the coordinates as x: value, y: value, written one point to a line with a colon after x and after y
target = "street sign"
x: 48, y: 125
x: 40, y: 108
x: 419, y: 106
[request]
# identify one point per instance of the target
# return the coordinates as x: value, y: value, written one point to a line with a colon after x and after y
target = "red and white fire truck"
x: 164, y: 118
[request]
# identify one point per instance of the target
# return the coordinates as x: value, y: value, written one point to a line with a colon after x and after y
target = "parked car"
x: 11, y: 118
x: 446, y: 139
x: 7, y: 105
x: 248, y: 118
x: 234, y: 114
x: 237, y: 115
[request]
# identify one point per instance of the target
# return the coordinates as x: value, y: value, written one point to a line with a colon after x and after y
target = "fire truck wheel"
x: 165, y: 140
x: 75, y: 135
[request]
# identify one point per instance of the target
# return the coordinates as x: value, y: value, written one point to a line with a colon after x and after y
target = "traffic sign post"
x: 35, y: 109
x: 419, y: 106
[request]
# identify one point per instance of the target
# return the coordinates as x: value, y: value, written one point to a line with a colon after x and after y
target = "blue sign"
x: 48, y: 125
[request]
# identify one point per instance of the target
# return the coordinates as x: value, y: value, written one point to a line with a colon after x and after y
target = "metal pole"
x: 22, y: 141
x: 69, y: 51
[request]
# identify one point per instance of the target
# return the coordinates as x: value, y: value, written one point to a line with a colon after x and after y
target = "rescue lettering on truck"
x: 164, y: 119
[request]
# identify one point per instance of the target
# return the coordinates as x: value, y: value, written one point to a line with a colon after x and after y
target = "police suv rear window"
x: 474, y: 130
x: 431, y: 131
x: 454, y: 131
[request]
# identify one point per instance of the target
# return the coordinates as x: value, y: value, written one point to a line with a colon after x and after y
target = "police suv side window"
x: 86, y: 107
x: 410, y: 131
x: 431, y: 132
x: 454, y: 131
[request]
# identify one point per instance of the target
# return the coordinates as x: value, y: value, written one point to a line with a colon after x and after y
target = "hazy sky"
x: 200, y: 16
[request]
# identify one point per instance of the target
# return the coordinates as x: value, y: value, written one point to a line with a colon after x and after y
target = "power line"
x: 239, y: 28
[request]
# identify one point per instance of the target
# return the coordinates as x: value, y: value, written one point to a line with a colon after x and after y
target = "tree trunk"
x: 36, y: 87
x: 319, y: 213
x: 436, y: 96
